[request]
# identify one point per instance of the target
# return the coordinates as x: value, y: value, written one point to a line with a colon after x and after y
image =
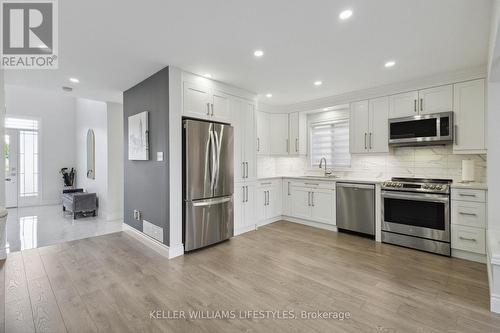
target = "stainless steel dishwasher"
x: 356, y: 207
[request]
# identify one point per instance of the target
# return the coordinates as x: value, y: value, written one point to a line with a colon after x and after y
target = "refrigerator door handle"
x: 212, y: 148
x: 218, y: 145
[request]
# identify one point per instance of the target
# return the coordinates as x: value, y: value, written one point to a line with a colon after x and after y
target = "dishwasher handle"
x: 358, y: 186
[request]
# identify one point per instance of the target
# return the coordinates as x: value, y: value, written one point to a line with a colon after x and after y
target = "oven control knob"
x: 439, y: 187
x: 425, y: 187
x: 400, y: 185
x: 433, y: 187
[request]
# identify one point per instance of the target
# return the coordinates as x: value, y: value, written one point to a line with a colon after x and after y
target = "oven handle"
x: 416, y: 196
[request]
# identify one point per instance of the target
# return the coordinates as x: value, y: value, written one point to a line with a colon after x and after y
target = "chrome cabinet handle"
x: 467, y: 239
x: 208, y: 109
x: 365, y: 141
x: 247, y: 192
x: 315, y: 184
x: 258, y: 144
x: 456, y: 134
x: 289, y: 188
x: 309, y: 199
x: 468, y: 214
x: 287, y: 146
x: 421, y: 104
x: 266, y: 183
x: 247, y: 169
x: 265, y: 198
x: 371, y: 134
x: 268, y: 198
x: 243, y: 189
x: 212, y: 109
x: 297, y: 145
x: 415, y: 105
x: 467, y: 195
x: 243, y: 165
x: 312, y: 199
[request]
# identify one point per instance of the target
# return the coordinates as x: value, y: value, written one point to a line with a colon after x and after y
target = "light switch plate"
x: 159, y: 156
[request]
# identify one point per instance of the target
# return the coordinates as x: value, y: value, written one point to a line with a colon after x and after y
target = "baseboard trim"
x: 268, y: 221
x: 153, y: 244
x: 243, y: 230
x: 469, y: 256
x: 310, y: 223
x: 175, y: 251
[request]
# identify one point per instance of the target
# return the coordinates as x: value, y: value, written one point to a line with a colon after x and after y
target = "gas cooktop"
x: 426, y: 185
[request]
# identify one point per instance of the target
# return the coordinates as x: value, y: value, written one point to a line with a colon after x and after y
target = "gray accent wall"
x: 146, y: 182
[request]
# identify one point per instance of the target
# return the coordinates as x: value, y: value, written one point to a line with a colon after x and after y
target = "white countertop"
x: 472, y: 185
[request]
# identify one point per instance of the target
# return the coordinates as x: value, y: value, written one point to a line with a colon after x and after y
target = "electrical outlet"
x: 137, y: 215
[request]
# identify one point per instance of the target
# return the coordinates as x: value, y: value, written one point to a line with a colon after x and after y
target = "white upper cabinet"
x: 435, y: 100
x: 368, y: 128
x: 378, y: 136
x: 279, y: 143
x: 469, y: 107
x: 359, y: 127
x: 197, y: 99
x: 298, y: 133
x: 202, y: 101
x: 425, y: 101
x: 262, y: 141
x: 403, y: 105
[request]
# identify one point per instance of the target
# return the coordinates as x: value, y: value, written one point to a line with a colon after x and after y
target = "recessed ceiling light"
x: 390, y: 63
x: 318, y: 83
x: 74, y: 80
x: 269, y: 95
x: 258, y: 53
x: 207, y: 75
x: 344, y: 15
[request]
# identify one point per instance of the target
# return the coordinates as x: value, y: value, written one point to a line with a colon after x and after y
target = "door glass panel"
x: 28, y: 157
x: 413, y: 129
x: 415, y: 213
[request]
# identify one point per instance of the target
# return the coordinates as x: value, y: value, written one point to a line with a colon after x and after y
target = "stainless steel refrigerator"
x: 208, y: 183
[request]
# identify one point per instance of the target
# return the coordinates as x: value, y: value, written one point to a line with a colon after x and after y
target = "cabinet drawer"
x: 268, y: 182
x: 468, y: 239
x: 468, y: 213
x: 468, y: 195
x: 313, y: 184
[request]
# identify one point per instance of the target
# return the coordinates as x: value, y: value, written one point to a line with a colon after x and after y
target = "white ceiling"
x: 112, y: 45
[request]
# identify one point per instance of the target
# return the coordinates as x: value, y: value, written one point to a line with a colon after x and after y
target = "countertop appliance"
x: 416, y: 214
x: 208, y: 183
x: 356, y: 207
x: 428, y: 129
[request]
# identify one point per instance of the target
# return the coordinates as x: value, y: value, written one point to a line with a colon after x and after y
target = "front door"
x: 11, y: 168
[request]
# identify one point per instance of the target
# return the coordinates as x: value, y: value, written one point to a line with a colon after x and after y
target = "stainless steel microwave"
x: 428, y: 129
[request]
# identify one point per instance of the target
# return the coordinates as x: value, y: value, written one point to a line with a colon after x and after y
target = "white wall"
x: 56, y: 112
x: 115, y: 160
x: 2, y: 158
x: 92, y: 115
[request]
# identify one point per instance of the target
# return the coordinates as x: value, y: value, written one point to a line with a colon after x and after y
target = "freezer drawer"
x: 356, y: 207
x: 207, y: 222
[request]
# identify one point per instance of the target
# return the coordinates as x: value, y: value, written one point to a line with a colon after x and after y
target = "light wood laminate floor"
x: 111, y: 283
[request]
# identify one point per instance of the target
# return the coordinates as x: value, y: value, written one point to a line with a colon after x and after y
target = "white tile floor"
x: 31, y: 227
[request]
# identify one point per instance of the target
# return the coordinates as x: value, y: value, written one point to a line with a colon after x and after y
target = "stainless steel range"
x: 416, y: 214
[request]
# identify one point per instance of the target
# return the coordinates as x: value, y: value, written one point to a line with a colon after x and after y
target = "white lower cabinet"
x: 468, y: 220
x: 313, y: 202
x: 268, y: 199
x: 244, y: 207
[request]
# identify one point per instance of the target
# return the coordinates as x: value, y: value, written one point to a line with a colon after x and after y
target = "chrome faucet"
x: 321, y: 165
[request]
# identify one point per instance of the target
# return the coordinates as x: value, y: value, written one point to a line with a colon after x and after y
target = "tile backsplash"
x: 428, y: 162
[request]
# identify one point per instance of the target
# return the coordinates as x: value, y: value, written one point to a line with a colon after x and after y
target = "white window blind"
x: 331, y: 141
x: 21, y: 123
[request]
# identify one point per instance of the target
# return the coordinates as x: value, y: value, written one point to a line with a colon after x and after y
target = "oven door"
x: 417, y: 214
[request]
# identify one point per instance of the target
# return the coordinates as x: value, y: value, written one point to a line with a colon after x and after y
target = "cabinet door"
x: 469, y: 107
x: 358, y: 127
x: 275, y: 204
x: 403, y: 105
x: 250, y: 214
x: 260, y: 203
x: 300, y: 202
x: 249, y: 140
x: 378, y: 136
x: 238, y: 123
x: 278, y: 135
x: 262, y: 133
x: 323, y: 206
x: 435, y: 100
x: 196, y: 100
x: 238, y: 207
x: 293, y: 125
x: 221, y: 106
